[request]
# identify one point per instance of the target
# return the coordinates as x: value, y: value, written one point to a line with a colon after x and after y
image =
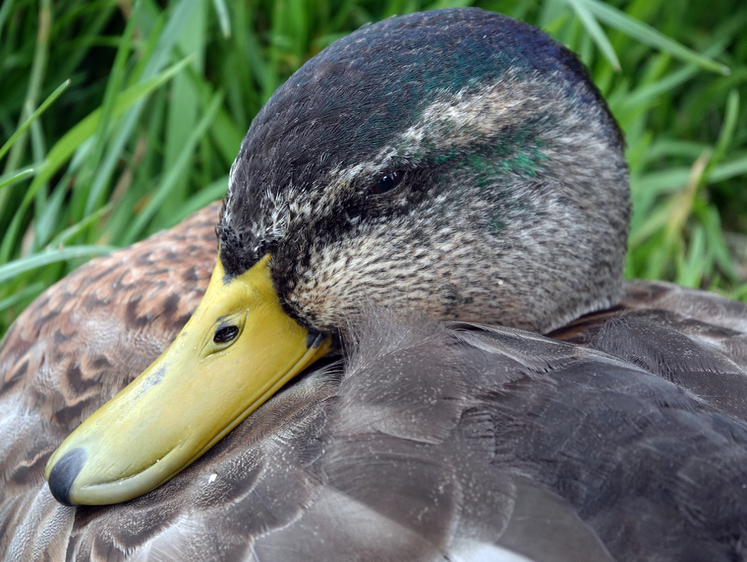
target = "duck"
x: 408, y: 338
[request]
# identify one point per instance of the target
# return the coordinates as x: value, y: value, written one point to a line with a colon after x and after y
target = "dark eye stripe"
x: 225, y: 334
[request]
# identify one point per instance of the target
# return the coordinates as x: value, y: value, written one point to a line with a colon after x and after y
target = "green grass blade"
x: 79, y: 227
x: 26, y: 124
x: 113, y: 87
x: 670, y: 180
x: 48, y: 219
x: 731, y: 118
x: 38, y: 68
x: 15, y: 268
x: 158, y: 49
x: 169, y: 182
x: 729, y: 170
x: 650, y: 36
x: 718, y: 248
x: 651, y: 92
x: 184, y: 104
x: 224, y: 19
x: 168, y: 37
x: 65, y: 147
x: 14, y: 178
x: 216, y: 190
x: 5, y: 9
x: 595, y: 31
x: 691, y: 268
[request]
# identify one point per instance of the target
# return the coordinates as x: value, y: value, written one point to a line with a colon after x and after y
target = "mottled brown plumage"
x: 624, y: 437
x: 77, y: 345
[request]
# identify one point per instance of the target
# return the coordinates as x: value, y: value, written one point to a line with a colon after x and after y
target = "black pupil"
x: 225, y: 334
x: 388, y: 182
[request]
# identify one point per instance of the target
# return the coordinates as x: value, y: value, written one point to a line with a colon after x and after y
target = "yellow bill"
x: 236, y: 351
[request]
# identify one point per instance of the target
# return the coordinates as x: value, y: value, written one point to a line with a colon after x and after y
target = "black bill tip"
x: 64, y: 473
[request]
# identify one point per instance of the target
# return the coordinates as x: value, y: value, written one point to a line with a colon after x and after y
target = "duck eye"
x: 225, y: 334
x: 388, y: 182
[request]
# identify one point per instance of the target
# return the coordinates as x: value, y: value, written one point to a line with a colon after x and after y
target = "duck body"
x: 435, y: 441
x: 394, y: 197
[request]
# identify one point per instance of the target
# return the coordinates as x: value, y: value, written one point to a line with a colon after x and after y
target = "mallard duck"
x: 407, y: 215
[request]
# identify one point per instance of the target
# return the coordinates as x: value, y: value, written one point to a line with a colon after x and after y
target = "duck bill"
x: 236, y: 351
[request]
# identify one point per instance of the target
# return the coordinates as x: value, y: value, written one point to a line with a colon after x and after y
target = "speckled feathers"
x: 484, y: 118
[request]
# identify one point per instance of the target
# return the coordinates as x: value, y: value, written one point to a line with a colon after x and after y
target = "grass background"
x: 120, y: 118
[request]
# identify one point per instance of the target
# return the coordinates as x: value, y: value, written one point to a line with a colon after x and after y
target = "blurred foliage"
x: 120, y: 118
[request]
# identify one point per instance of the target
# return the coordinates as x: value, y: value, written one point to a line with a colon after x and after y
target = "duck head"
x: 454, y: 163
